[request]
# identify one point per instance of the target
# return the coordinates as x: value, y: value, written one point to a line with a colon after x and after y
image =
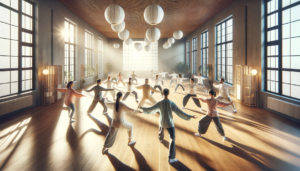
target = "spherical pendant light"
x: 138, y: 46
x: 167, y: 44
x: 123, y: 35
x: 147, y: 48
x: 118, y: 28
x: 177, y: 34
x: 164, y: 46
x: 171, y: 40
x: 114, y: 14
x: 128, y: 41
x: 116, y: 45
x: 152, y: 34
x: 153, y: 14
x: 147, y: 42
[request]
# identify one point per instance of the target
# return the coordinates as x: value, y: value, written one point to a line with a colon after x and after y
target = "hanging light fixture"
x: 116, y: 45
x: 114, y: 14
x: 45, y: 71
x: 152, y: 34
x: 123, y: 35
x: 167, y: 44
x: 147, y: 42
x: 254, y: 72
x: 171, y: 40
x: 147, y: 48
x: 118, y: 28
x: 138, y: 46
x: 128, y: 41
x: 164, y: 46
x: 177, y: 34
x: 153, y: 14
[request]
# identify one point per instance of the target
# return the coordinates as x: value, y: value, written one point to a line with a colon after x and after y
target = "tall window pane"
x: 224, y: 51
x: 70, y: 51
x: 204, y: 53
x: 89, y: 59
x: 194, y: 55
x: 188, y: 53
x: 100, y: 55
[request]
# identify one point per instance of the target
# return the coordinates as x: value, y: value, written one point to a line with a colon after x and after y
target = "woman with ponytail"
x: 70, y: 95
x: 212, y: 114
x: 118, y: 120
x: 130, y: 90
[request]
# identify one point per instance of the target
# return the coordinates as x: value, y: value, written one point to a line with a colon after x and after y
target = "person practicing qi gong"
x: 174, y: 77
x: 70, y: 98
x: 110, y: 85
x: 165, y: 107
x: 192, y: 93
x: 223, y: 93
x: 98, y: 97
x: 146, y: 92
x: 200, y: 82
x: 212, y: 114
x: 118, y: 120
x: 163, y: 77
x: 130, y: 90
x: 113, y: 76
x: 179, y: 82
x: 120, y: 79
x: 157, y: 85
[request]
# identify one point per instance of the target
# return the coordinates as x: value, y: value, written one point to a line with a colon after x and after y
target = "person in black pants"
x: 192, y: 93
x: 157, y: 85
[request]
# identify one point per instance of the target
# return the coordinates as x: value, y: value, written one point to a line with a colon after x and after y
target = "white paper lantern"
x: 152, y: 34
x: 177, y: 34
x: 153, y: 14
x: 171, y: 40
x: 167, y: 44
x: 138, y: 46
x: 116, y: 45
x: 114, y: 14
x: 164, y: 46
x: 118, y: 28
x: 123, y: 35
x: 147, y: 42
x: 147, y: 48
x: 128, y: 41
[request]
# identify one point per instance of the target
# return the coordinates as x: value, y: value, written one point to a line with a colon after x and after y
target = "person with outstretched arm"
x: 165, y: 107
x: 146, y: 92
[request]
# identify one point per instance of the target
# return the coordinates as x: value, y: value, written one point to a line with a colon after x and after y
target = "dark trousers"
x: 159, y: 87
x: 180, y: 86
x: 71, y: 110
x: 187, y: 97
x: 127, y: 94
x: 204, y: 123
x: 172, y: 148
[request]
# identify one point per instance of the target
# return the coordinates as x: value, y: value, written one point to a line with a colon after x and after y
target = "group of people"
x: 164, y: 107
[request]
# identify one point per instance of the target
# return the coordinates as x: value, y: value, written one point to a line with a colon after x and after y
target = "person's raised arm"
x: 151, y: 110
x: 139, y: 87
x: 201, y: 99
x: 90, y: 89
x: 223, y: 104
x: 181, y: 113
x: 130, y: 110
x: 106, y: 89
x: 77, y: 94
x: 62, y: 90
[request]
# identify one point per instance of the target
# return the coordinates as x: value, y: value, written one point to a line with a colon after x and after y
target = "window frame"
x: 194, y: 55
x: 187, y: 60
x: 206, y: 33
x: 89, y: 56
x: 100, y: 51
x: 75, y: 47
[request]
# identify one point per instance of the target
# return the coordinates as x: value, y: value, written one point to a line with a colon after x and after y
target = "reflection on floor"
x: 41, y: 138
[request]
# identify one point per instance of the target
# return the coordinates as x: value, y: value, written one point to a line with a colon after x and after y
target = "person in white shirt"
x: 146, y: 92
x: 174, y: 77
x: 152, y: 74
x: 120, y: 79
x: 118, y: 120
x: 130, y: 90
x: 212, y: 114
x: 200, y: 82
x: 179, y: 82
x: 113, y: 76
x: 163, y: 77
x: 110, y: 85
x: 133, y: 76
x: 192, y: 93
x: 157, y: 85
x: 223, y: 93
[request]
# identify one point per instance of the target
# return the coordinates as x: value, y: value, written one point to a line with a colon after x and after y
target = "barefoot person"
x: 223, y: 93
x: 110, y: 85
x: 146, y: 92
x: 212, y: 114
x: 157, y: 85
x: 165, y: 107
x: 130, y: 90
x: 192, y: 93
x: 118, y: 120
x: 98, y: 97
x: 70, y: 98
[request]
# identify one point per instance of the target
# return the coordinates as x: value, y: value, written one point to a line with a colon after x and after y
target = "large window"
x: 282, y: 36
x: 224, y: 50
x: 188, y: 53
x: 134, y: 60
x: 16, y: 46
x: 100, y: 56
x: 70, y: 50
x: 204, y: 53
x: 89, y: 59
x: 194, y: 55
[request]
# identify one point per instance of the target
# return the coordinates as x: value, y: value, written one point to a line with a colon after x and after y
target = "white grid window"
x: 204, y: 53
x: 140, y: 60
x: 194, y: 55
x: 89, y: 60
x: 100, y: 56
x: 70, y: 51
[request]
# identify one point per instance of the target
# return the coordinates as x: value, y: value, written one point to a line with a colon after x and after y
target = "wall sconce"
x: 254, y: 72
x: 45, y: 71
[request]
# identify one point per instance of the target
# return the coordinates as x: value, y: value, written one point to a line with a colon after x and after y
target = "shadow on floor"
x: 143, y: 165
x: 117, y: 164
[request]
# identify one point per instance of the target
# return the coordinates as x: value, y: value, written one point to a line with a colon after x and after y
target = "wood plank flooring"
x: 41, y: 139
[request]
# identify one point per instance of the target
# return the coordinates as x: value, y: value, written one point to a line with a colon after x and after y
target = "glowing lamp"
x: 254, y: 72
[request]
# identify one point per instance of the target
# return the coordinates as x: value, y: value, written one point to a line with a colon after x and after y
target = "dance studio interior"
x: 144, y: 85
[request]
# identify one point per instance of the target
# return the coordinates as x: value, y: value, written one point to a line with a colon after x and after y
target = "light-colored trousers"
x: 202, y: 86
x: 112, y: 134
x: 228, y: 99
x: 94, y: 103
x: 134, y: 79
x: 150, y: 98
x: 111, y: 92
x: 122, y: 82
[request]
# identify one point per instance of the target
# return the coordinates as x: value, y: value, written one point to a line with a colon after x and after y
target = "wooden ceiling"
x: 184, y: 15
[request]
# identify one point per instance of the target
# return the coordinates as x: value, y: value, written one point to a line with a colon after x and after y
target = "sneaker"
x: 198, y: 135
x: 234, y: 110
x: 131, y: 143
x: 183, y: 107
x: 172, y: 160
x: 104, y: 150
x: 224, y: 138
x: 200, y: 109
x: 71, y: 121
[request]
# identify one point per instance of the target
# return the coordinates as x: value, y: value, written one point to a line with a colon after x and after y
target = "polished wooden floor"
x: 41, y: 139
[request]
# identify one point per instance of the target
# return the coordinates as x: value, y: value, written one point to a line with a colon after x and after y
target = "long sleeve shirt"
x: 166, y: 107
x: 163, y: 74
x: 199, y: 78
x: 146, y: 90
x: 133, y: 75
x: 109, y: 83
x: 192, y: 88
x: 223, y: 89
x: 157, y: 81
x: 98, y: 92
x: 130, y: 87
x: 70, y: 95
x: 173, y: 76
x: 120, y: 77
x: 118, y: 118
x: 179, y: 80
x: 212, y: 106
